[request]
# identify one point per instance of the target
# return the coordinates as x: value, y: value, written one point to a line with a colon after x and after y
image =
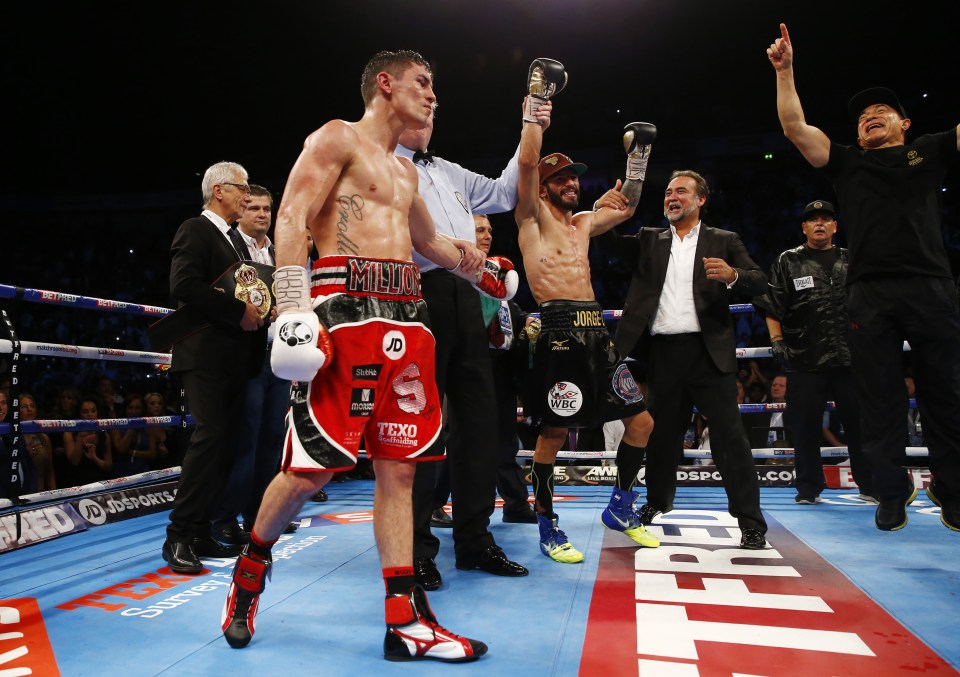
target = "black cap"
x: 818, y: 206
x: 869, y: 97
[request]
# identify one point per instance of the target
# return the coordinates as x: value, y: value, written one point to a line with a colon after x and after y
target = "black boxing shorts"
x: 578, y: 378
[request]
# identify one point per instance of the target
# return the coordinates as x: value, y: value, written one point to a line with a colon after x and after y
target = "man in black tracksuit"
x: 806, y: 314
x: 899, y: 284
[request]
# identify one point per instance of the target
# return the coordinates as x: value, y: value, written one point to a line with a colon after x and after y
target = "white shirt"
x: 677, y: 313
x: 222, y: 225
x: 452, y: 195
x: 258, y: 254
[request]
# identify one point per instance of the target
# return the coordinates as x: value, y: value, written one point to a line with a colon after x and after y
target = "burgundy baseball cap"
x: 556, y: 162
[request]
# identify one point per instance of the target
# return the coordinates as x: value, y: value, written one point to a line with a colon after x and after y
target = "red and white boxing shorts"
x: 380, y: 386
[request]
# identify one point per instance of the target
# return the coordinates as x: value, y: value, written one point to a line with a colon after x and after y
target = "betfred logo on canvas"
x: 24, y: 645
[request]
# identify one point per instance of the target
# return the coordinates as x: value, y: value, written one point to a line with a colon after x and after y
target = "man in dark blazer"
x: 677, y: 319
x: 213, y: 363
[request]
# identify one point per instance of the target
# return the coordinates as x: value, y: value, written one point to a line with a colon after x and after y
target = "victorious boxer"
x: 578, y: 378
x: 359, y: 317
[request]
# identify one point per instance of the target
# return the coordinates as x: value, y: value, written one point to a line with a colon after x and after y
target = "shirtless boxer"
x: 360, y: 318
x: 578, y: 378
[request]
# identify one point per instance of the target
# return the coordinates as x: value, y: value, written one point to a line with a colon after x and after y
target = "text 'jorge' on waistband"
x: 385, y: 278
x: 571, y: 315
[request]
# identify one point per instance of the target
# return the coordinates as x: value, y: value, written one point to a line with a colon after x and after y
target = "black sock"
x: 542, y: 477
x: 399, y: 580
x: 629, y: 461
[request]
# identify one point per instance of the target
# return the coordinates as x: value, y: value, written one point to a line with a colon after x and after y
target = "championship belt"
x: 247, y: 281
x: 253, y: 290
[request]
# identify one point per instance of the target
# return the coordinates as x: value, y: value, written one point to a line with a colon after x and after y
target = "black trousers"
x: 216, y: 400
x: 511, y: 483
x: 807, y: 395
x: 464, y: 377
x: 884, y: 312
x: 682, y: 375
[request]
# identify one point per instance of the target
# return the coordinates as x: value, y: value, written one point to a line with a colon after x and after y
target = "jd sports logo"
x: 394, y: 345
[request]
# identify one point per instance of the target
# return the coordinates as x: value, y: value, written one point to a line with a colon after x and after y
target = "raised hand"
x: 780, y: 52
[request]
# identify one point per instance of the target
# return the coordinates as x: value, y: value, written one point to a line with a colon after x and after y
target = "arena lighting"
x: 768, y: 156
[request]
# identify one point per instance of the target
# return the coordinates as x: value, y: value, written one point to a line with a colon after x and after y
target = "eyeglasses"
x: 242, y: 187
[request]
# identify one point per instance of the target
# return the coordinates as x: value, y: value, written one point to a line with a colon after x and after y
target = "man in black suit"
x: 213, y: 363
x: 504, y: 321
x: 677, y: 318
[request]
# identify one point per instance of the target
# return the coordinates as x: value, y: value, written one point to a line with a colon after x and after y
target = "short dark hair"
x: 394, y: 63
x: 703, y: 190
x: 259, y: 191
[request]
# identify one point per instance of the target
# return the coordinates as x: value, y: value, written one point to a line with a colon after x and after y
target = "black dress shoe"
x: 208, y: 546
x: 181, y: 557
x: 523, y: 515
x: 752, y: 539
x: 440, y: 519
x: 891, y: 514
x: 320, y: 496
x: 291, y: 528
x: 493, y: 561
x: 426, y: 572
x: 230, y: 533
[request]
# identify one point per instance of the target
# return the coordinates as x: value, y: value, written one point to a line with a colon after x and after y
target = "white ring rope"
x: 45, y: 349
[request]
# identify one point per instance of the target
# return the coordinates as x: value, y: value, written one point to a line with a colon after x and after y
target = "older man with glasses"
x: 213, y: 360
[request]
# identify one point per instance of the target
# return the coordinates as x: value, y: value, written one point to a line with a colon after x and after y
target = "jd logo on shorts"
x: 394, y: 345
x: 564, y: 398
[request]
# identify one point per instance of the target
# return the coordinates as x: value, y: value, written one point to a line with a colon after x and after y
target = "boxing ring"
x: 831, y: 595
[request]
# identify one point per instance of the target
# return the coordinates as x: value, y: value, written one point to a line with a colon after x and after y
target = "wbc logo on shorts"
x: 564, y: 398
x: 625, y: 386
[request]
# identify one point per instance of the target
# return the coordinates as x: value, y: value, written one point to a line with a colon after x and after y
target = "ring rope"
x: 89, y: 302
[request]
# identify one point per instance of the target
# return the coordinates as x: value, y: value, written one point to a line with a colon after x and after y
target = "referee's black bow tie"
x: 425, y: 155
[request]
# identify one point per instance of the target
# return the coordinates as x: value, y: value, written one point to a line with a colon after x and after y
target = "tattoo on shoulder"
x: 350, y: 209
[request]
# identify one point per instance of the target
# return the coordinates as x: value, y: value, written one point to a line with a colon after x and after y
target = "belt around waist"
x: 690, y: 336
x: 571, y: 315
x: 383, y: 278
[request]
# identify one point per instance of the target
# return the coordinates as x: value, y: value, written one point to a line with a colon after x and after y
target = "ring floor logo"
x: 700, y: 605
x: 24, y: 644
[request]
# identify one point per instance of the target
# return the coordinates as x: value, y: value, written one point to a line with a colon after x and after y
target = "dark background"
x: 114, y: 111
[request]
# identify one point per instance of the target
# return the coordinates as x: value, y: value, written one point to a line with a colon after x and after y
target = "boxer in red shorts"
x: 381, y: 386
x: 354, y: 331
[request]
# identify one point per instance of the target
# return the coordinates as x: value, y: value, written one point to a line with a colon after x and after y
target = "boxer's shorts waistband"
x: 382, y: 278
x: 571, y: 315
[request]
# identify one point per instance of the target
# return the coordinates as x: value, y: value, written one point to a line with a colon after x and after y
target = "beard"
x: 557, y: 200
x: 674, y: 217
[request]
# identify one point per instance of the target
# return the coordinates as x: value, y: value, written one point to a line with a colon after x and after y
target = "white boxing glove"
x: 302, y: 346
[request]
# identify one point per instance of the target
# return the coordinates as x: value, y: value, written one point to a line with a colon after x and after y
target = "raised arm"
x: 527, y: 210
x: 812, y: 143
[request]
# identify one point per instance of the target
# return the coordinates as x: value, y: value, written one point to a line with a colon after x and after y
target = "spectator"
x: 89, y: 452
x: 40, y: 475
x: 164, y: 440
x: 134, y: 450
